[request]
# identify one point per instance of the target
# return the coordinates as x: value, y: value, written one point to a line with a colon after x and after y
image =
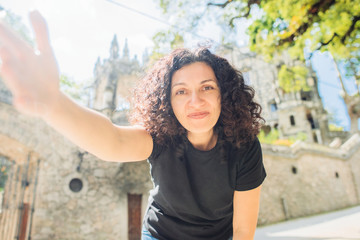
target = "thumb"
x: 41, y: 31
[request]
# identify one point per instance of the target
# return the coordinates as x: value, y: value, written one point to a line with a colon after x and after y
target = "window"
x: 306, y: 96
x: 292, y: 120
x: 273, y: 107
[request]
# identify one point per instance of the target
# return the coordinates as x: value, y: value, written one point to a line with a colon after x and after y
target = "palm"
x: 31, y: 76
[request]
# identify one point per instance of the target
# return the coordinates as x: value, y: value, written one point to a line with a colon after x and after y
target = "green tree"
x: 295, y: 26
x: 164, y: 42
x: 74, y: 89
x: 293, y: 79
x: 327, y: 25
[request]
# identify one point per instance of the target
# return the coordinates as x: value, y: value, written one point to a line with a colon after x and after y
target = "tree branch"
x: 246, y: 15
x: 346, y: 95
x: 351, y: 29
x: 313, y: 13
x: 222, y: 5
x: 323, y: 44
x: 343, y: 38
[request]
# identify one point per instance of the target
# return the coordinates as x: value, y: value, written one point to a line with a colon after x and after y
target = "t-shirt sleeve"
x: 250, y: 171
x: 155, y: 151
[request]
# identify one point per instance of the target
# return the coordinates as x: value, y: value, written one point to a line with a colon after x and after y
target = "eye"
x: 206, y: 88
x: 180, y: 92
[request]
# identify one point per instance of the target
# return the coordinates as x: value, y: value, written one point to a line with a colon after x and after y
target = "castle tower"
x: 114, y: 49
x: 126, y: 50
x: 303, y: 112
x: 114, y: 77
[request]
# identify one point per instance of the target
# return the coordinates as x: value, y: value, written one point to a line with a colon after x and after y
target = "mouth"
x: 198, y: 115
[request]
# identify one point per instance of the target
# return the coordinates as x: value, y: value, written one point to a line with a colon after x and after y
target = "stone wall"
x: 309, y: 179
x: 98, y: 211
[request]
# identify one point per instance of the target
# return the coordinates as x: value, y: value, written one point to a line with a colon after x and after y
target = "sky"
x: 82, y: 30
x: 330, y: 89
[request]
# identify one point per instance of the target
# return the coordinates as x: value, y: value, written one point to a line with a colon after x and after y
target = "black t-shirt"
x: 192, y: 197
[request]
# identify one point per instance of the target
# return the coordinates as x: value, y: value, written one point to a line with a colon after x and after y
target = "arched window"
x: 292, y: 120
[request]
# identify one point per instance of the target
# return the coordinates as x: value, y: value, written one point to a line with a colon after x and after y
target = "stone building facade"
x: 56, y: 190
x: 290, y: 113
x: 74, y: 195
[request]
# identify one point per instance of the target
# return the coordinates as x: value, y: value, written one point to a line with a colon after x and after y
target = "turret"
x: 126, y: 50
x: 114, y: 49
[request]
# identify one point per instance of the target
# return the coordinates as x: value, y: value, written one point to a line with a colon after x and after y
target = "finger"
x: 41, y: 32
x: 10, y: 39
x: 12, y: 78
x: 6, y: 54
x: 8, y: 78
x: 9, y: 71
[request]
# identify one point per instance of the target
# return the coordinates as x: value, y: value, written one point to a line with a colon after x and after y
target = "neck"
x: 203, y: 141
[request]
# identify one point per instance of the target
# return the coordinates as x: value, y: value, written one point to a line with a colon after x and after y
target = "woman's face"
x: 195, y: 97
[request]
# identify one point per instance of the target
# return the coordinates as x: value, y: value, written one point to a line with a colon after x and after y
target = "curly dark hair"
x: 239, y: 120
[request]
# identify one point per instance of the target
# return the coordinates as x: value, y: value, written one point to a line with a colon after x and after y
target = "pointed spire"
x: 114, y: 49
x: 98, y: 61
x: 97, y: 66
x: 126, y: 50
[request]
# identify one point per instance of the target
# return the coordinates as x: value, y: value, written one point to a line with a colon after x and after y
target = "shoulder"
x: 250, y: 169
x: 250, y: 148
x: 253, y: 147
x: 160, y: 148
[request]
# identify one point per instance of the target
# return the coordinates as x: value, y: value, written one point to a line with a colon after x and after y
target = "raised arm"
x: 33, y: 78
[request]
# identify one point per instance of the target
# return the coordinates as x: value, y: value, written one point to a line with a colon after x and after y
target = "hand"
x: 31, y: 75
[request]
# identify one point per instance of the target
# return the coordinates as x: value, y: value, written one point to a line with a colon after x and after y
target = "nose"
x: 196, y: 99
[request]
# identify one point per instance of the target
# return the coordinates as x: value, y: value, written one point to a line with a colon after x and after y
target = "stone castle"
x: 55, y: 190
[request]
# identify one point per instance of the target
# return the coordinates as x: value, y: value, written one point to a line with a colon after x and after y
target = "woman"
x: 203, y: 122
x: 196, y: 124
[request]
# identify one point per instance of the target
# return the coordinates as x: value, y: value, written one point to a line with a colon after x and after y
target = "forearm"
x: 86, y: 128
x: 246, y: 211
x: 243, y: 235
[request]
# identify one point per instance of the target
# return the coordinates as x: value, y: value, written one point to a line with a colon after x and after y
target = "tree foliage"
x: 164, y: 42
x: 326, y: 25
x: 273, y: 137
x: 293, y: 79
x: 74, y: 89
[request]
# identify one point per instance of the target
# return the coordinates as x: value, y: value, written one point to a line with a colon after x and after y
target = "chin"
x: 199, y: 128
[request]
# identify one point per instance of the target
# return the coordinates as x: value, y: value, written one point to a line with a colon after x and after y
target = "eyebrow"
x: 202, y: 82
